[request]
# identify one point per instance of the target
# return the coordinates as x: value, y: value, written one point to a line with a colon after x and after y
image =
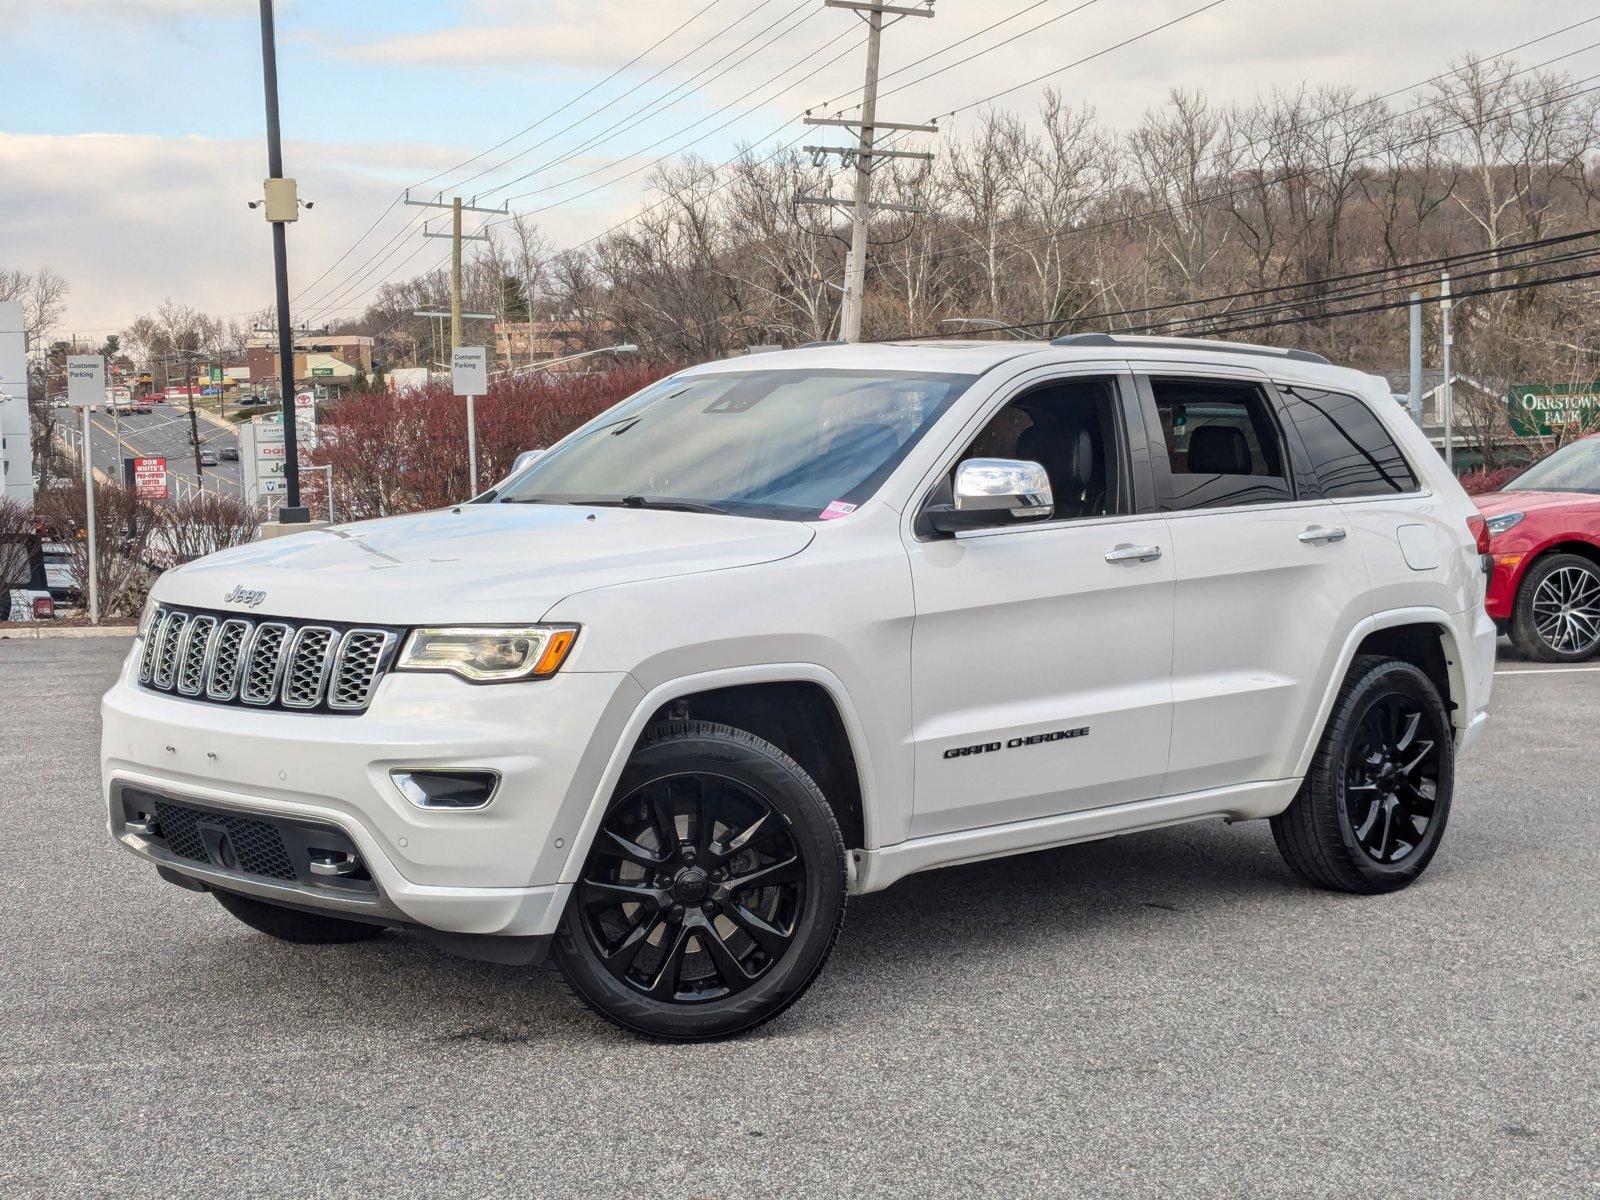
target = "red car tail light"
x: 44, y: 608
x: 1480, y: 532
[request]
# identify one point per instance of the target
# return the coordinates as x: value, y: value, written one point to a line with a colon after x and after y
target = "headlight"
x: 1498, y: 525
x: 489, y: 653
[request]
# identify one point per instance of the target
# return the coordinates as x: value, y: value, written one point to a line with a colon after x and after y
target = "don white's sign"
x: 150, y: 478
x: 86, y: 380
x: 469, y: 371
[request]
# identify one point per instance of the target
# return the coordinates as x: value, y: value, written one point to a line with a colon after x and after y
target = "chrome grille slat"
x: 307, y: 663
x: 193, y: 654
x: 222, y: 674
x: 356, y: 668
x: 152, y: 640
x: 264, y: 663
x: 167, y: 655
x: 268, y: 663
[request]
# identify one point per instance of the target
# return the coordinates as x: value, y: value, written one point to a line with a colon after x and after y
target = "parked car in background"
x: 1544, y: 535
x: 777, y: 630
x: 58, y: 570
x: 229, y: 453
x: 24, y: 582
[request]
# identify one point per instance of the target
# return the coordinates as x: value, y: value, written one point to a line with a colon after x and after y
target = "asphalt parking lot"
x: 1166, y: 1013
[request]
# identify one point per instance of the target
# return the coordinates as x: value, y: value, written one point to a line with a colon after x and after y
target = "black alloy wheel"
x: 693, y: 890
x: 1369, y: 815
x: 1392, y: 777
x: 712, y: 892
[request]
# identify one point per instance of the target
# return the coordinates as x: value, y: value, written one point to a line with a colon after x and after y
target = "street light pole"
x: 281, y: 209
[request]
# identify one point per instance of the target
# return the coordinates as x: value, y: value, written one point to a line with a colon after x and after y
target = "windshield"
x: 794, y: 445
x: 1573, y: 468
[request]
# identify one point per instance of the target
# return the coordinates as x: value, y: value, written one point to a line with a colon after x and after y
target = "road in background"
x: 1166, y: 1013
x: 164, y: 432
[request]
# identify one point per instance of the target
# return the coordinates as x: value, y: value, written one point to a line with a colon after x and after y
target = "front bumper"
x: 490, y: 871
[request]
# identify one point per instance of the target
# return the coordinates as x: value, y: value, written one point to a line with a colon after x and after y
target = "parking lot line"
x: 1545, y: 670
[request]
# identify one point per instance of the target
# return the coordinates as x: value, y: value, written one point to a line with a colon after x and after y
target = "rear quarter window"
x: 1351, y: 452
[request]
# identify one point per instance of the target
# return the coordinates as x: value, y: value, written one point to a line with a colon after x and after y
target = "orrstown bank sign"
x: 1541, y: 409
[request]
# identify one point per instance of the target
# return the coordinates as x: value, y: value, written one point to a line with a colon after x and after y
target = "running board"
x: 874, y: 870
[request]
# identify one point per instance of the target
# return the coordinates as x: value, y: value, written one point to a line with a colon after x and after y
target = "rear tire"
x: 1369, y: 816
x: 713, y: 892
x: 293, y: 925
x: 1557, y: 614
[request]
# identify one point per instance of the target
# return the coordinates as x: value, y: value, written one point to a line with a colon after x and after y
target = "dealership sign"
x: 150, y: 478
x: 1541, y: 409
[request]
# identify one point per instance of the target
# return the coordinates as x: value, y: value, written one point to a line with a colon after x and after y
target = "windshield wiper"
x: 653, y: 503
x: 657, y: 502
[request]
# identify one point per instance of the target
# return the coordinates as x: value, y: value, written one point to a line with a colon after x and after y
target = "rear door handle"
x: 1323, y: 533
x: 1133, y: 554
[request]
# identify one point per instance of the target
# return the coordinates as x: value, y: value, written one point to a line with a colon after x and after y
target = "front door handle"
x: 1133, y: 554
x: 1323, y: 533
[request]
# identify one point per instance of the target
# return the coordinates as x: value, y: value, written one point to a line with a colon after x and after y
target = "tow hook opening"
x: 339, y: 863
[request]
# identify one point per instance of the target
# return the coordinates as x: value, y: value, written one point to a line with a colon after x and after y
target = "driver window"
x: 1065, y: 428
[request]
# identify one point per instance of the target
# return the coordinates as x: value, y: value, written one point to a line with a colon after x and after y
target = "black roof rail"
x: 809, y: 345
x: 1137, y: 343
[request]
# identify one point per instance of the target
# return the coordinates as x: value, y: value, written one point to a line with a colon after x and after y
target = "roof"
x: 974, y: 357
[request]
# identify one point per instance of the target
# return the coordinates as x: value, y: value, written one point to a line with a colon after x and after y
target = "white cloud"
x: 137, y: 11
x: 131, y: 220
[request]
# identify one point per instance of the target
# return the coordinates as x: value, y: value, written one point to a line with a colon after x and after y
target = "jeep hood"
x: 475, y: 563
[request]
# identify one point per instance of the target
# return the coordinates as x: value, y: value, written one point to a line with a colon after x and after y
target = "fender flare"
x: 687, y: 685
x: 1390, y: 619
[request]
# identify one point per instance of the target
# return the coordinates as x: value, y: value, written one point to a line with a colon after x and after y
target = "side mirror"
x: 991, y: 492
x: 523, y: 459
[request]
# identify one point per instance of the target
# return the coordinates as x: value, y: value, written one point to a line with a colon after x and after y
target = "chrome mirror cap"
x: 1004, y: 485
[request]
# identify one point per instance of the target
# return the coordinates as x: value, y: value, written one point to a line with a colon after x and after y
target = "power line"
x: 1447, y: 261
x: 547, y: 117
x: 645, y: 113
x: 1192, y: 205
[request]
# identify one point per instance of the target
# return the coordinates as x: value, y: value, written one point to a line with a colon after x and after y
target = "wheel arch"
x: 796, y: 706
x: 1565, y: 544
x: 1426, y: 637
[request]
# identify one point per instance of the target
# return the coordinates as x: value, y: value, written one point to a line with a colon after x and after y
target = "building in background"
x: 528, y: 343
x: 16, y: 445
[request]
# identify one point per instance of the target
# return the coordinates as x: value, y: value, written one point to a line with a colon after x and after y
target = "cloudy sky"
x: 131, y: 131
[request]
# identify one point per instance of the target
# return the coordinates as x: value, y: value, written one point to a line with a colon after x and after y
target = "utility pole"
x: 861, y: 204
x: 1449, y: 398
x: 1415, y: 397
x: 456, y: 237
x: 194, y: 424
x: 282, y: 202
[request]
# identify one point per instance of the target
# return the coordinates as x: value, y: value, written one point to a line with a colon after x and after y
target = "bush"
x: 1478, y: 482
x: 407, y: 450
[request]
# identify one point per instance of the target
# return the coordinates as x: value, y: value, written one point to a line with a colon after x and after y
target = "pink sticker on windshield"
x: 836, y: 510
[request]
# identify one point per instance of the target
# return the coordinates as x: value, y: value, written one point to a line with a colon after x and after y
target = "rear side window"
x: 1351, y: 452
x: 1223, y: 445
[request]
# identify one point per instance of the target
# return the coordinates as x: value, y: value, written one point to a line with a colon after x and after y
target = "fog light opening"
x: 447, y: 788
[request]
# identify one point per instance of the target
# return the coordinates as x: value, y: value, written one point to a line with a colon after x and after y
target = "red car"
x: 1544, y: 534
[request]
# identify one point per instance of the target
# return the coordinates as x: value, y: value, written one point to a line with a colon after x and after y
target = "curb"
x: 68, y: 631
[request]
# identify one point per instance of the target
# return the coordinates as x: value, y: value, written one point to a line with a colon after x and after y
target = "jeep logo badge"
x: 248, y: 597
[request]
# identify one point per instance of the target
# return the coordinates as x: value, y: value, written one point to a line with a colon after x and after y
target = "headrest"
x: 1219, y: 450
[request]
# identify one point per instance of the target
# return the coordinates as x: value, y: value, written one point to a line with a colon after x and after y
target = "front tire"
x: 293, y: 924
x: 1369, y: 816
x: 1557, y: 614
x: 713, y: 892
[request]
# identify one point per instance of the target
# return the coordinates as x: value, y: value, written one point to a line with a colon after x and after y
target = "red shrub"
x: 406, y: 451
x: 1478, y: 482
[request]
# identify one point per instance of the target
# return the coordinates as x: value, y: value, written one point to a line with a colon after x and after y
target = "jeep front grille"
x: 302, y: 666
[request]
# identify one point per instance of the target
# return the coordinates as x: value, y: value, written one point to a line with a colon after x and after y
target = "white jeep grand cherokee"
x: 777, y: 630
